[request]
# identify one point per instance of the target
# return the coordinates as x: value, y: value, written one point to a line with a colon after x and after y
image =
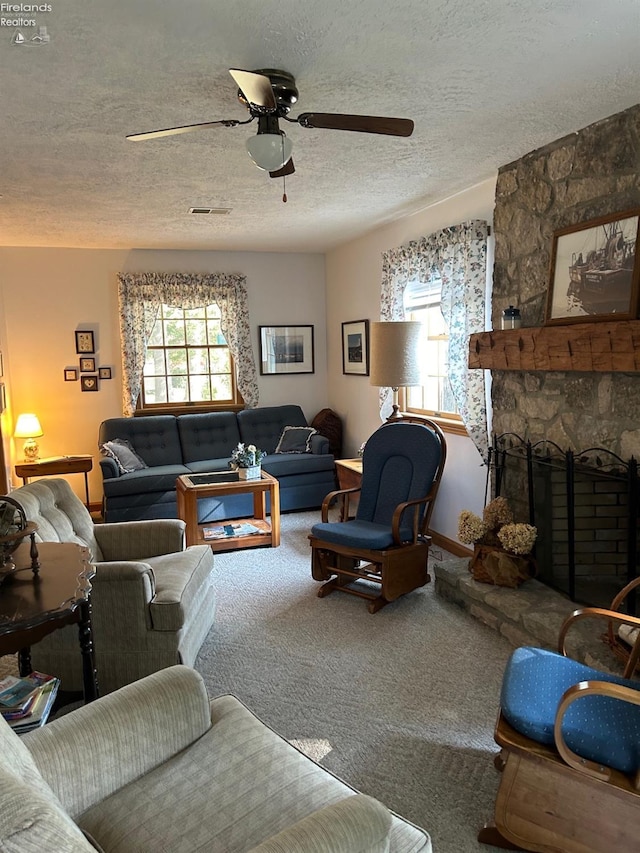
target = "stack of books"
x: 25, y: 703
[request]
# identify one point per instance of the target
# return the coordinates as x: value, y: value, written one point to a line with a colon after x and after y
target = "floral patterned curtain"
x: 458, y: 256
x: 140, y: 296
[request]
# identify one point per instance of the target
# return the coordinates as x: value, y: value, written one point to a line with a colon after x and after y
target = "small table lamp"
x: 395, y: 357
x: 28, y: 427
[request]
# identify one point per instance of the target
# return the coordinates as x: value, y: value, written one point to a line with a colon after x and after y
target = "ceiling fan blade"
x: 362, y: 124
x: 287, y: 169
x: 187, y: 128
x: 255, y: 87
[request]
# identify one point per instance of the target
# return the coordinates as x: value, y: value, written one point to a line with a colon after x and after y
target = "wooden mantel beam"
x: 606, y: 347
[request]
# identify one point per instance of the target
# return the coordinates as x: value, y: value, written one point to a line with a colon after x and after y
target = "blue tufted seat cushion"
x: 598, y: 728
x: 354, y: 534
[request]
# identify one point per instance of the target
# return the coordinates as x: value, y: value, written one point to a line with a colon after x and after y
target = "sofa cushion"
x: 295, y: 439
x: 179, y: 581
x: 125, y: 456
x: 211, y: 435
x: 263, y: 426
x: 293, y: 464
x: 155, y: 438
x: 159, y: 478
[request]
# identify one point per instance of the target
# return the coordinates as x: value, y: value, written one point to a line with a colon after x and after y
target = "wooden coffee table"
x: 191, y: 487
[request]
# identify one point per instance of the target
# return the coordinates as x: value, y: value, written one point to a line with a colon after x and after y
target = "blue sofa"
x: 172, y: 445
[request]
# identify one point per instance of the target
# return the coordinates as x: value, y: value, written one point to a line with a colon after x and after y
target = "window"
x: 187, y: 360
x: 422, y: 302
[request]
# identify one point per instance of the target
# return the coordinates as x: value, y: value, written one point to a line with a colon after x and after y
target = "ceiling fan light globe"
x: 269, y: 151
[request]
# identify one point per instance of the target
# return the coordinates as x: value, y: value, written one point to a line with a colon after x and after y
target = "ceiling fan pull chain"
x: 284, y: 178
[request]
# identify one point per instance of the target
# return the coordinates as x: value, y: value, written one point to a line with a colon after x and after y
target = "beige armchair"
x: 153, y: 601
x: 157, y: 767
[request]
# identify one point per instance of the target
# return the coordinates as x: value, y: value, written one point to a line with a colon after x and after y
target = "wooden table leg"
x: 24, y: 662
x: 89, y: 675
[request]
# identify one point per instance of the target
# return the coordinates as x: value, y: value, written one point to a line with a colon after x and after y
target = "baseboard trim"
x: 450, y: 545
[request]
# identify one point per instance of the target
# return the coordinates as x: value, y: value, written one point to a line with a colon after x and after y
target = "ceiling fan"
x: 269, y: 94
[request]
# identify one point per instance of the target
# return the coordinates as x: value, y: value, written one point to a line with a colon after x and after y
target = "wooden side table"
x: 349, y: 473
x: 32, y: 607
x: 57, y: 465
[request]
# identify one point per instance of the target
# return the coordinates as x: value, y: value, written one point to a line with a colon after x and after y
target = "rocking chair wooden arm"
x: 612, y: 616
x: 578, y: 691
x: 338, y: 494
x: 397, y: 518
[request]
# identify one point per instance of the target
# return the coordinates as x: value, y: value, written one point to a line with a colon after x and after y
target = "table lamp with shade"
x: 395, y: 357
x: 28, y: 427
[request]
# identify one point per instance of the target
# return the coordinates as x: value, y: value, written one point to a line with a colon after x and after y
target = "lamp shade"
x: 269, y: 151
x: 27, y: 426
x: 395, y: 353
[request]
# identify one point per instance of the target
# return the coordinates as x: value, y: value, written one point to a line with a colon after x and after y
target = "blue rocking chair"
x: 382, y: 553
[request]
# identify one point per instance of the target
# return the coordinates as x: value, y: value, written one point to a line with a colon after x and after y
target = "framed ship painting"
x: 595, y: 271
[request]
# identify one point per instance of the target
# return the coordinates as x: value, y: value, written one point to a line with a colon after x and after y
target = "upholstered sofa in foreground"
x: 157, y: 767
x: 170, y: 446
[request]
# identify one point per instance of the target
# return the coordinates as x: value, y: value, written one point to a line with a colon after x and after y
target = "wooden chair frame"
x: 553, y: 800
x: 396, y: 570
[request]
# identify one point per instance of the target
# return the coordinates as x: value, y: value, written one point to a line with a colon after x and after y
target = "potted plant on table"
x: 246, y: 459
x: 502, y: 548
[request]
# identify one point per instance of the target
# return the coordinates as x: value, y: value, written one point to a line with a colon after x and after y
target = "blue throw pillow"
x: 125, y: 456
x: 295, y: 439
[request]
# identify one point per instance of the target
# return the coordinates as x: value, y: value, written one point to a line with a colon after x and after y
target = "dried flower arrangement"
x: 502, y: 546
x: 496, y: 527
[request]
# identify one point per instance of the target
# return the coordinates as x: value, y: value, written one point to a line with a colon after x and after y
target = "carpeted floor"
x: 400, y: 704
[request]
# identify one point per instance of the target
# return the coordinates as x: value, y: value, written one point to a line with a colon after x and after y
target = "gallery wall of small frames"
x: 87, y: 370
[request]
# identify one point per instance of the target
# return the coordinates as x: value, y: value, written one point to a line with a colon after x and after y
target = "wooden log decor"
x: 608, y: 347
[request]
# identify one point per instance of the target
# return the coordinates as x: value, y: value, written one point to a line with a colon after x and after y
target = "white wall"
x: 49, y: 293
x: 354, y: 274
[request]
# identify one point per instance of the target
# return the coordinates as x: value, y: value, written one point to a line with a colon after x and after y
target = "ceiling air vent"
x: 204, y: 210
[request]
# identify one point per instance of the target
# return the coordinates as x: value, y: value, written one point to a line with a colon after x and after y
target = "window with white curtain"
x: 422, y: 303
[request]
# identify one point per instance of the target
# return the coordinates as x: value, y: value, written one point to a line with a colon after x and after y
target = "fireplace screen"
x: 585, y: 506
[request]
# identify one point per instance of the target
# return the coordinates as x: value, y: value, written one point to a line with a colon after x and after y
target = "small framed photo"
x: 87, y: 365
x: 89, y: 383
x: 355, y: 347
x: 286, y: 349
x: 3, y: 397
x: 595, y: 271
x: 71, y: 374
x: 85, y: 341
x: 104, y: 372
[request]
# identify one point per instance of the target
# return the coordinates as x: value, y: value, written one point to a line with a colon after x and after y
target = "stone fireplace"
x: 586, y: 404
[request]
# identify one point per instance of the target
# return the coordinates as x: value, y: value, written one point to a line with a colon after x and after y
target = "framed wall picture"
x: 355, y: 347
x: 3, y: 397
x: 286, y: 349
x: 595, y: 271
x: 89, y: 383
x: 85, y: 341
x: 104, y: 373
x: 71, y: 374
x: 87, y: 365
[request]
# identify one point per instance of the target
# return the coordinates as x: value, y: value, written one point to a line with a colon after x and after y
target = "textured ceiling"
x: 485, y: 82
